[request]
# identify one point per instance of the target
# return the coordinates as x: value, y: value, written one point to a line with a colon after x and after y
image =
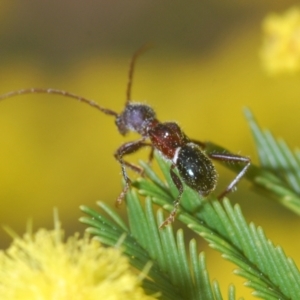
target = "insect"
x: 188, y: 156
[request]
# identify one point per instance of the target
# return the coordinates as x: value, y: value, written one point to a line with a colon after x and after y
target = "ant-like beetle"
x: 188, y: 156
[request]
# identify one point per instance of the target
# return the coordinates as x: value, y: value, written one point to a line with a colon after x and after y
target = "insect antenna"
x: 61, y: 93
x: 135, y: 56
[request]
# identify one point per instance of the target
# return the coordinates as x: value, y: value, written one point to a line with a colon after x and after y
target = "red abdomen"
x: 167, y: 137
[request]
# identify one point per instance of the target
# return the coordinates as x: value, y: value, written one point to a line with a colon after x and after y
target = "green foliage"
x: 279, y: 175
x: 173, y: 273
x: 177, y: 271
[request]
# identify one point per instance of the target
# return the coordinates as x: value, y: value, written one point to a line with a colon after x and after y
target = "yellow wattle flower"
x: 281, y: 45
x: 42, y: 266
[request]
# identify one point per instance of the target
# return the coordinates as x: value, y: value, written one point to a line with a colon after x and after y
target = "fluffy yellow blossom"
x: 281, y: 45
x: 42, y: 266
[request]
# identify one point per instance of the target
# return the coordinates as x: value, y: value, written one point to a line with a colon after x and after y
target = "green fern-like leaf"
x: 278, y: 176
x: 174, y: 273
x: 178, y: 275
x: 284, y: 165
x: 264, y: 266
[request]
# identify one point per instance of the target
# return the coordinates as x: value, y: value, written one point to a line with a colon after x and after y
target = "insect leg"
x: 125, y: 149
x: 202, y: 145
x: 179, y: 186
x: 151, y: 156
x: 232, y: 158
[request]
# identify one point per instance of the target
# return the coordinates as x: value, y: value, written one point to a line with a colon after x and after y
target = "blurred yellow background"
x: 202, y: 72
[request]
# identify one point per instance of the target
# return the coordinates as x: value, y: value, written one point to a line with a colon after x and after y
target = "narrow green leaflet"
x: 178, y: 271
x: 277, y: 158
x: 278, y: 175
x: 265, y: 267
x: 174, y: 272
